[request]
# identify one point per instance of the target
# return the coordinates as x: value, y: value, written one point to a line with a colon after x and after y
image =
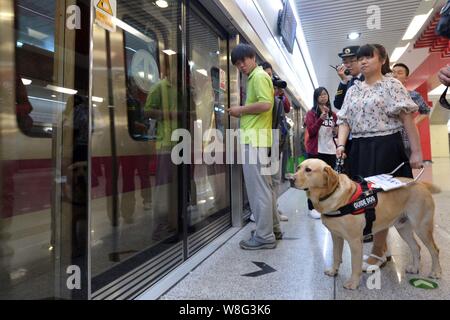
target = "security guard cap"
x: 349, y: 51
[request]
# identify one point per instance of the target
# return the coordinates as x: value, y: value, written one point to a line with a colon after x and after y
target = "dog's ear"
x: 331, y: 178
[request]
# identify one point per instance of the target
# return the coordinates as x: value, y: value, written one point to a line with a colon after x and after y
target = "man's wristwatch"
x: 341, y: 146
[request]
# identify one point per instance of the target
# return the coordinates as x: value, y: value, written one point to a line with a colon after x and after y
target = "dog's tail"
x: 431, y: 187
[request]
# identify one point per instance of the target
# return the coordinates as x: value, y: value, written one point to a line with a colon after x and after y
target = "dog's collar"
x: 326, y: 197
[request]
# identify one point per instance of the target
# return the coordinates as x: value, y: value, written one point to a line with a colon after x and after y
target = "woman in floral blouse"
x: 375, y: 111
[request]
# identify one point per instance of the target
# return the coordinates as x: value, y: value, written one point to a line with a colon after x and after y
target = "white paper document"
x: 385, y: 182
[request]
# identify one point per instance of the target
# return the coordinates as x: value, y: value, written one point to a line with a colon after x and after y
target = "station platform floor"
x: 297, y: 264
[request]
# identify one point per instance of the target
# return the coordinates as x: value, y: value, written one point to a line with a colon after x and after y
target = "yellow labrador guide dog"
x: 409, y: 208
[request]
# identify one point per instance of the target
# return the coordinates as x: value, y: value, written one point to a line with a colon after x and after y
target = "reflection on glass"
x: 32, y: 175
x: 134, y: 182
x: 26, y: 264
x: 35, y: 41
x: 209, y: 97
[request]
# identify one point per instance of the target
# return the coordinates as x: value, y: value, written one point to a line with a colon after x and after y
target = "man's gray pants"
x: 261, y: 195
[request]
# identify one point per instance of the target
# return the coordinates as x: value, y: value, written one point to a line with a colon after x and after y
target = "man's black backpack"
x: 279, y: 122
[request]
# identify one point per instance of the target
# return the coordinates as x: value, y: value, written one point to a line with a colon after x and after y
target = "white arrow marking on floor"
x: 419, y: 282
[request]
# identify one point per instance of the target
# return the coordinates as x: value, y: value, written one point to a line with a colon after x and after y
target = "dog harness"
x: 364, y: 200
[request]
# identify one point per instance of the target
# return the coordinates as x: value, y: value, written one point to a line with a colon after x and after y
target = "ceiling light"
x: 169, y: 52
x: 131, y: 30
x: 416, y: 24
x: 36, y: 34
x: 53, y: 95
x: 19, y: 44
x: 203, y: 72
x: 398, y: 52
x: 162, y: 3
x: 97, y: 99
x: 61, y: 89
x: 353, y: 35
x: 26, y: 82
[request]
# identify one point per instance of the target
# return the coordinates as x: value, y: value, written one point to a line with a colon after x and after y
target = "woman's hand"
x: 415, y: 160
x: 340, y: 152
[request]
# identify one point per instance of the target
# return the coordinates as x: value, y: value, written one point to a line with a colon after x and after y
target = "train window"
x: 134, y: 182
x: 36, y: 101
x: 142, y: 73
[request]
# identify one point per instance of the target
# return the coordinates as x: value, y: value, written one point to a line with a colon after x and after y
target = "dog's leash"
x: 339, y: 166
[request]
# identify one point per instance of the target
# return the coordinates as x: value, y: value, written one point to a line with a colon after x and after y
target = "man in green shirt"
x: 256, y: 140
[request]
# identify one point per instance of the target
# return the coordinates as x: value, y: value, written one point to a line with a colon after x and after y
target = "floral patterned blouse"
x: 373, y: 110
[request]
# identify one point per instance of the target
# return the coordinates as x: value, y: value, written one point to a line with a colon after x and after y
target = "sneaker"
x: 282, y: 217
x: 252, y: 218
x: 253, y: 244
x: 278, y: 234
x: 314, y: 214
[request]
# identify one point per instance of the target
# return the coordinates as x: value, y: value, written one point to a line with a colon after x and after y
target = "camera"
x: 443, y: 27
x: 277, y: 82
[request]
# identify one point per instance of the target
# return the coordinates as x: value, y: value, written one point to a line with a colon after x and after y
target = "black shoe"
x: 368, y: 238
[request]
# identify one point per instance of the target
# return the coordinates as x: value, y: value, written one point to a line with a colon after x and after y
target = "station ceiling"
x: 326, y: 24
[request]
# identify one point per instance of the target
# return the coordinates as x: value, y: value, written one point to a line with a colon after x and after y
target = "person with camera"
x: 349, y: 72
x: 320, y: 123
x: 281, y: 107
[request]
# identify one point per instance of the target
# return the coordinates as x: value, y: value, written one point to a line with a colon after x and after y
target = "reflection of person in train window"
x: 161, y: 105
x: 138, y: 128
x: 23, y: 107
x: 137, y: 124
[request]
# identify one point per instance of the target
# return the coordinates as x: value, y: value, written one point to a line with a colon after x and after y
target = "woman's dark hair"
x: 368, y: 50
x: 242, y: 51
x: 317, y: 93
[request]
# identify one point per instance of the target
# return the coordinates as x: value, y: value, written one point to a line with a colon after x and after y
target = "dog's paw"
x: 331, y: 272
x: 351, y: 284
x: 436, y: 274
x: 412, y: 269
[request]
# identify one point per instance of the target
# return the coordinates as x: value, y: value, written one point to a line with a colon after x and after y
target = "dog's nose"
x: 291, y: 178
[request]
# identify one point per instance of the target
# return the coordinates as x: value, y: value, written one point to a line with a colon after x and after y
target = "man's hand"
x: 341, y: 73
x: 235, y: 111
x: 444, y: 76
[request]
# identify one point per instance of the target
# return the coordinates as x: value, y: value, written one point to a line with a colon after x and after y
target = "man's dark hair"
x: 242, y: 51
x: 369, y: 50
x: 403, y: 66
x: 265, y: 65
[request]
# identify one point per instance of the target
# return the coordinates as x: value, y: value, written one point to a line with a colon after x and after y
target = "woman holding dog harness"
x: 375, y: 111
